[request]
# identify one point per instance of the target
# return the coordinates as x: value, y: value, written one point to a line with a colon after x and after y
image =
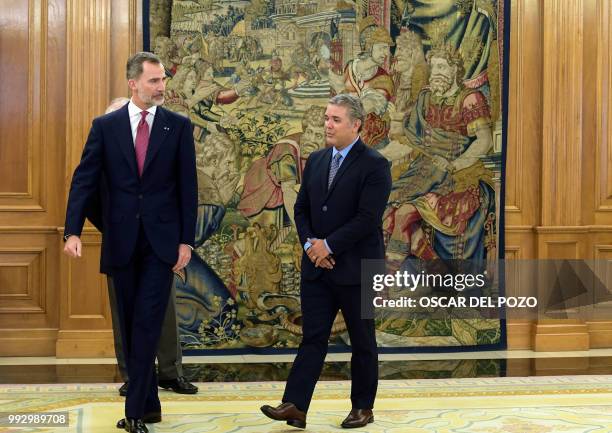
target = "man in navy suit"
x: 169, y: 352
x: 338, y: 214
x: 146, y: 156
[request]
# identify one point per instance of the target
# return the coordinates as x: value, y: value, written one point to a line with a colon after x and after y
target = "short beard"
x: 157, y: 101
x: 440, y: 84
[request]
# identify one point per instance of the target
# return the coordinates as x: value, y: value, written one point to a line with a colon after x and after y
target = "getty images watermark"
x: 404, y: 280
x: 441, y: 289
x: 500, y: 289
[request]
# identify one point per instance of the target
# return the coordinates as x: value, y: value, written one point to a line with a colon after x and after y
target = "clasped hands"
x: 319, y: 255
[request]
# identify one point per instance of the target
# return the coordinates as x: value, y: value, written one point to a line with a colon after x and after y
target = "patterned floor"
x: 575, y: 404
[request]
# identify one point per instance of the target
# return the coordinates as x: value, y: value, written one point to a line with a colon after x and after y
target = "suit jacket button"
x: 140, y: 196
x: 324, y: 209
x: 137, y: 216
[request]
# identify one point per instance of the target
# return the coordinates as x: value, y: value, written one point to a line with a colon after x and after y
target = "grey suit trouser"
x: 169, y: 354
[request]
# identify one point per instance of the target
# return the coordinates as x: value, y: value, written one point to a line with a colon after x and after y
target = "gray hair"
x: 353, y: 106
x: 134, y: 64
x: 116, y: 104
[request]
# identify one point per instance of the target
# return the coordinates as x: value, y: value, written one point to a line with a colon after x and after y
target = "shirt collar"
x: 133, y: 109
x: 344, y: 151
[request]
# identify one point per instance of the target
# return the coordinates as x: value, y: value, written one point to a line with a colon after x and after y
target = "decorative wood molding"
x: 87, y: 72
x: 135, y: 25
x: 523, y: 152
x: 85, y: 343
x: 560, y: 335
x: 29, y: 272
x: 562, y: 112
x: 126, y: 39
x: 519, y: 334
x: 28, y: 342
x: 514, y: 154
x: 30, y: 298
x: 85, y: 308
x: 600, y: 333
x: 32, y: 199
x: 519, y: 229
x: 46, y: 230
x: 603, y: 135
x: 574, y: 229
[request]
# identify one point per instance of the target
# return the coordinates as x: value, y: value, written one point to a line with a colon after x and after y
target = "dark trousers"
x: 169, y: 353
x: 143, y: 291
x: 321, y: 301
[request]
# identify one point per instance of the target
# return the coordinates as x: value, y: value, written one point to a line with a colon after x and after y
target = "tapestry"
x: 254, y: 77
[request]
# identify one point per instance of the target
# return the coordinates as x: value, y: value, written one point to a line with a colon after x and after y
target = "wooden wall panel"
x: 67, y: 60
x: 562, y: 67
x: 600, y: 327
x: 41, y: 142
x: 29, y: 300
x: 23, y: 35
x: 524, y: 148
x: 14, y: 44
x: 519, y: 247
x: 126, y: 39
x: 22, y: 280
x: 32, y: 89
x: 576, y: 159
x: 111, y: 29
x: 523, y: 153
x: 600, y: 105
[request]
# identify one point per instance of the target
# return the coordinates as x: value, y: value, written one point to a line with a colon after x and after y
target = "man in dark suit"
x: 145, y: 155
x: 169, y: 352
x: 338, y: 215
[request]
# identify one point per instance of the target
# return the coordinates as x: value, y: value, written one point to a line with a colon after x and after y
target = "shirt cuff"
x: 307, y: 245
x: 327, y: 246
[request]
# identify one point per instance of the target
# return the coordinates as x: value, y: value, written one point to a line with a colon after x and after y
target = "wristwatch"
x: 66, y: 236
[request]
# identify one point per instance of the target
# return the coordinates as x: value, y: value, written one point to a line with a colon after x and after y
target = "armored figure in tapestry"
x: 254, y: 77
x: 443, y: 205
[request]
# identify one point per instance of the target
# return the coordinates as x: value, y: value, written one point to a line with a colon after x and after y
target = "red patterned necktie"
x: 142, y: 141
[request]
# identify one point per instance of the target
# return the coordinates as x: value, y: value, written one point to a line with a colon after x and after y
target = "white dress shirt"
x: 135, y: 117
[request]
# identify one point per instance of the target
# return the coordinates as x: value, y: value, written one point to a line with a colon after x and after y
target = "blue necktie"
x: 335, y: 165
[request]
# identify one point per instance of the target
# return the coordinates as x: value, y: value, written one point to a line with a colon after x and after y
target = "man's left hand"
x: 184, y: 255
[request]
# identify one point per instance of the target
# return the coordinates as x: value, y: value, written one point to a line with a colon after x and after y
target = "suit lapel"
x: 326, y: 161
x: 160, y: 131
x: 124, y: 137
x: 350, y: 158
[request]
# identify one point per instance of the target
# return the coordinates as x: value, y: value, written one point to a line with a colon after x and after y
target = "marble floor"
x: 464, y: 392
x: 552, y: 404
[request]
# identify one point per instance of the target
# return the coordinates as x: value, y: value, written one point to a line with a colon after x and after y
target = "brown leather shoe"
x: 358, y: 418
x: 286, y: 412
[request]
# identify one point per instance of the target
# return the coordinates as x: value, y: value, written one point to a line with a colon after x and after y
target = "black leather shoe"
x: 358, y: 418
x: 286, y: 412
x: 148, y: 418
x: 123, y: 389
x: 133, y: 425
x: 180, y: 385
